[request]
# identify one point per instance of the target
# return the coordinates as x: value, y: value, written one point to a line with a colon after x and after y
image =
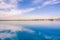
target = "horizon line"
x: 49, y: 19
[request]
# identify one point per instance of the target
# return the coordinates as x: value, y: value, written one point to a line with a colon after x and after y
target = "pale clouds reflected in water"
x: 29, y: 30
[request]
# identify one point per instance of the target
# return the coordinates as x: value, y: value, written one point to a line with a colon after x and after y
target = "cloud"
x: 5, y: 5
x: 14, y: 13
x: 28, y: 10
x: 8, y: 10
x: 49, y: 2
x: 44, y: 3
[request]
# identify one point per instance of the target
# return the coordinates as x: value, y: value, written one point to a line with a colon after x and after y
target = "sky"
x: 23, y: 9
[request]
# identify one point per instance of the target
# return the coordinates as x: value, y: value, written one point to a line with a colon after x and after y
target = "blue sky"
x: 19, y: 9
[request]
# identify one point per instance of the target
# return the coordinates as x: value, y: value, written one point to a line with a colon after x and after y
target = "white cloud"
x: 49, y: 2
x: 44, y: 3
x: 28, y: 10
x: 14, y: 13
x: 8, y: 10
x: 5, y: 5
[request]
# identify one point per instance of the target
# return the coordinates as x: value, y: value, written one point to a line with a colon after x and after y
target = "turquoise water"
x: 30, y: 30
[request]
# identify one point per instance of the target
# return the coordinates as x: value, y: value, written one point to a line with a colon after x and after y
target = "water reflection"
x: 31, y: 30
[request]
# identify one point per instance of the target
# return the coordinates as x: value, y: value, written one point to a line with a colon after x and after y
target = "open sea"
x: 29, y: 30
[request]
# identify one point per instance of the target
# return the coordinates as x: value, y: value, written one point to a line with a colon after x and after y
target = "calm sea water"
x: 29, y: 30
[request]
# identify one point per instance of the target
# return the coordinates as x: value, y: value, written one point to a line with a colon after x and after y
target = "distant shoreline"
x: 34, y: 20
